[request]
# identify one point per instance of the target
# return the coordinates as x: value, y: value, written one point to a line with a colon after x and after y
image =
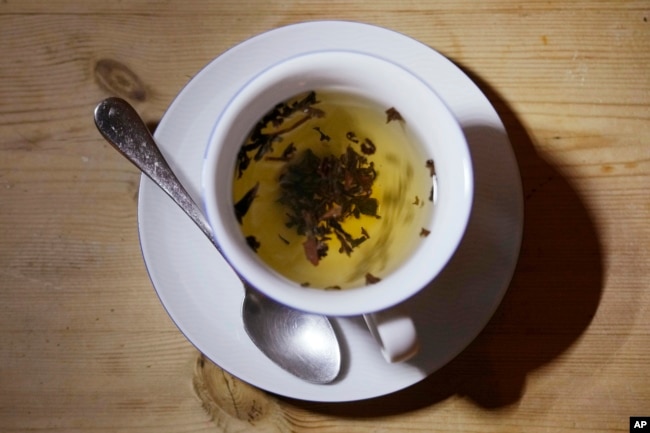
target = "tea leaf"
x: 253, y: 243
x: 262, y: 137
x: 371, y: 279
x: 368, y: 147
x: 323, y: 136
x: 242, y: 206
x: 392, y: 114
x: 314, y: 249
x: 431, y: 166
x: 320, y: 193
x: 288, y: 153
x: 352, y: 137
x: 367, y: 206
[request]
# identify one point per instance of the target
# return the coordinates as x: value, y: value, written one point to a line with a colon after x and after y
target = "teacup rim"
x: 346, y: 302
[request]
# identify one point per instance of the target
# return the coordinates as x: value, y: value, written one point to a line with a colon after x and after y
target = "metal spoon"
x: 301, y: 343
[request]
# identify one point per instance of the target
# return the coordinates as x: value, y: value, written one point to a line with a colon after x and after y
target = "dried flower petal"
x: 311, y: 250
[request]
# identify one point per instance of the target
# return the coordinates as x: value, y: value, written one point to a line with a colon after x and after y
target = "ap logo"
x: 640, y: 424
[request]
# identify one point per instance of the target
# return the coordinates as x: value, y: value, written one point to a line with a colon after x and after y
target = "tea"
x: 332, y: 190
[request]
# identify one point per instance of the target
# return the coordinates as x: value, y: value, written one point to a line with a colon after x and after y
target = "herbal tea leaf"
x: 288, y: 153
x: 371, y: 279
x: 431, y: 166
x: 368, y: 147
x: 265, y: 132
x: 320, y: 193
x: 242, y: 206
x: 392, y: 114
x: 253, y: 243
x: 352, y: 137
x: 323, y: 136
x: 368, y: 206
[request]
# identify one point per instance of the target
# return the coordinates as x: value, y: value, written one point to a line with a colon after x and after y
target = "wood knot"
x: 116, y: 78
x: 234, y: 405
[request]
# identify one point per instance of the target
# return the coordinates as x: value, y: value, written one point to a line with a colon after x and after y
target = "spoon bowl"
x: 301, y: 343
x: 291, y: 328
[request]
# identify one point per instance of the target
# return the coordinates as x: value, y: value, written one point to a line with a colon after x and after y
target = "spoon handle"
x: 124, y: 129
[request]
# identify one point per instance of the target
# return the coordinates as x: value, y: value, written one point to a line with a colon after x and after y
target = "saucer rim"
x: 472, y: 106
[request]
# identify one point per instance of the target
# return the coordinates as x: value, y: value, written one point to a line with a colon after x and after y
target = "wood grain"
x: 86, y: 345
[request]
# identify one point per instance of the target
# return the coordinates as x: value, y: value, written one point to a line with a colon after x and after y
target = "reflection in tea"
x: 331, y: 190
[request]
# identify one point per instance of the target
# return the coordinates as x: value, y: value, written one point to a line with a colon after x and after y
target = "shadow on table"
x: 553, y: 296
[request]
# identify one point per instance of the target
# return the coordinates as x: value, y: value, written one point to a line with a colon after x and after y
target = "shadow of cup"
x: 552, y: 298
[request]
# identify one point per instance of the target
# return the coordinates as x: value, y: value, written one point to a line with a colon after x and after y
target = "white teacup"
x: 427, y: 119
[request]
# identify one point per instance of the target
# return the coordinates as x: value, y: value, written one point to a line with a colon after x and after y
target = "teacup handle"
x: 395, y: 333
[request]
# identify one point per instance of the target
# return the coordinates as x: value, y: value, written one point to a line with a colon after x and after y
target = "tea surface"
x: 332, y: 191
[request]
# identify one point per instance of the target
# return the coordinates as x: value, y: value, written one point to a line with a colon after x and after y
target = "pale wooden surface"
x: 85, y: 345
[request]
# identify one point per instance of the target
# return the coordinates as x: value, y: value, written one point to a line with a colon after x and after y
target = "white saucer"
x: 202, y: 295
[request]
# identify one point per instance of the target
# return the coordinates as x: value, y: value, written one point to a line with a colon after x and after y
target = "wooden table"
x: 85, y: 345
